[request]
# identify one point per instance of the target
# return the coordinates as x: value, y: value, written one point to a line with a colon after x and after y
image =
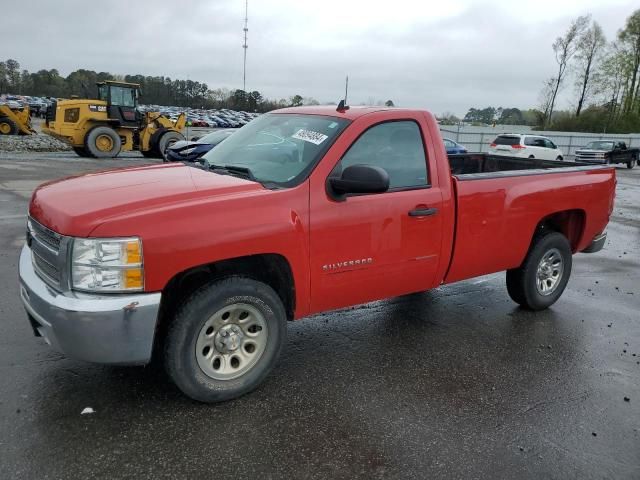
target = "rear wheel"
x: 103, y: 142
x: 531, y: 156
x: 8, y: 126
x: 167, y: 140
x: 225, y: 339
x: 543, y: 276
x: 559, y: 158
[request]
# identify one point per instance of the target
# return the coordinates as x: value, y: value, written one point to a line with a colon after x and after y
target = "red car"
x: 204, y: 267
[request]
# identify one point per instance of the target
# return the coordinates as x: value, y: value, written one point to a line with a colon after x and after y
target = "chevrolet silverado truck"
x: 608, y: 152
x: 301, y: 211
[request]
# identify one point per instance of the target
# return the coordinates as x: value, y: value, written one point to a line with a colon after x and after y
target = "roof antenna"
x: 342, y: 106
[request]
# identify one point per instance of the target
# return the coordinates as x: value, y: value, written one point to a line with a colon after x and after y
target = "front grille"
x: 46, y: 269
x: 49, y: 253
x: 45, y: 236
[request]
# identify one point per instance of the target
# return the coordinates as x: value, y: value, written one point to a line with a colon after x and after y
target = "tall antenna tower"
x: 244, y: 45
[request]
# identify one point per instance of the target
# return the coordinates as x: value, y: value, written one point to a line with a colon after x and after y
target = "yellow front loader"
x: 104, y: 127
x: 15, y: 121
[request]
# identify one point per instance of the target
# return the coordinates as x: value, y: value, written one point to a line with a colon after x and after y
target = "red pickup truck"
x: 301, y: 211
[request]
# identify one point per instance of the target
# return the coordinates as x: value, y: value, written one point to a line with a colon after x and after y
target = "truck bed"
x: 468, y: 166
x: 501, y: 200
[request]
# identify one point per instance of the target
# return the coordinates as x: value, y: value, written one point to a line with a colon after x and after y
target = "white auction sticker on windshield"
x: 310, y: 136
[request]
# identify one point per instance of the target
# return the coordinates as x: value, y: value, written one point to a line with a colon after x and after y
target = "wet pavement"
x: 453, y: 383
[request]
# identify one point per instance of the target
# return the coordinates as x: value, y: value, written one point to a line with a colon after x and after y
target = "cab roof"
x: 115, y: 82
x: 330, y: 110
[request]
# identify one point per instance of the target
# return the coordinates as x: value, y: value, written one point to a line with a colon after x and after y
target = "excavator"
x: 15, y: 120
x: 104, y: 127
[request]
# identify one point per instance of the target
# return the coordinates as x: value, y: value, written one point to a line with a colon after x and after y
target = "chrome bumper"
x: 113, y: 329
x: 596, y: 244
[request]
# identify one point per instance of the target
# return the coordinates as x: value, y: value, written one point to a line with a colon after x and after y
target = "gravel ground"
x: 31, y: 143
x: 457, y: 382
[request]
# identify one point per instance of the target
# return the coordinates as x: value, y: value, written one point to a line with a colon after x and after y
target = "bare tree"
x: 565, y: 48
x: 588, y: 51
x: 545, y: 98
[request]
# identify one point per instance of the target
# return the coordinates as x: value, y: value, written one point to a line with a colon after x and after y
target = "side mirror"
x: 359, y: 179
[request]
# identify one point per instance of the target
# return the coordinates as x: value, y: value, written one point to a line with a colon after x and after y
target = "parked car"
x: 607, y: 152
x: 453, y: 147
x: 525, y: 146
x: 203, y: 267
x: 191, y: 151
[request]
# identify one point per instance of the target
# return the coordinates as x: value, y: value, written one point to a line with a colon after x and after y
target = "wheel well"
x: 568, y: 222
x: 272, y: 269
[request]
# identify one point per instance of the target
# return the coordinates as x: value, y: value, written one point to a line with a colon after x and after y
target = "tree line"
x: 605, y: 77
x: 156, y: 90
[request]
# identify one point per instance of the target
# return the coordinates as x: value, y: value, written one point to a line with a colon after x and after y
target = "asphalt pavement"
x: 457, y: 382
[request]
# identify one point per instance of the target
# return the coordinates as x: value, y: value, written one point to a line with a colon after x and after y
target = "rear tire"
x: 103, y: 142
x: 539, y: 282
x: 225, y: 339
x: 531, y: 156
x: 8, y: 126
x: 559, y: 158
x: 167, y: 140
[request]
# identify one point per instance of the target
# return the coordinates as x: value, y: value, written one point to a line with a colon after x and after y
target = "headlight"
x: 107, y: 264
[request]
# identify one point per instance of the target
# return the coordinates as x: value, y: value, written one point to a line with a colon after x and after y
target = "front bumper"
x: 113, y: 329
x: 596, y: 244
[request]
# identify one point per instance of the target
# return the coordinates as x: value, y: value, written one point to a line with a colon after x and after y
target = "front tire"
x: 225, y: 339
x: 167, y: 140
x: 559, y: 158
x: 631, y: 163
x: 539, y: 282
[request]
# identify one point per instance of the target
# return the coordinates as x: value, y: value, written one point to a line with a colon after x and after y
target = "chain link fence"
x: 568, y: 142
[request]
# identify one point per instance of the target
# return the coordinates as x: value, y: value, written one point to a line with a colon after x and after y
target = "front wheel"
x: 539, y: 282
x: 168, y: 139
x: 559, y: 158
x: 225, y: 339
x: 631, y: 163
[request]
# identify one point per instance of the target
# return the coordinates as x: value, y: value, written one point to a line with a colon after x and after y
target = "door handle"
x: 423, y: 212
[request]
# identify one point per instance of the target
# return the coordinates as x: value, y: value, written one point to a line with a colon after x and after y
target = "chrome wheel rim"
x: 231, y: 341
x: 549, y: 272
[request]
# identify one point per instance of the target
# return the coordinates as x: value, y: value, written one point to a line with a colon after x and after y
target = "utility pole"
x: 245, y: 46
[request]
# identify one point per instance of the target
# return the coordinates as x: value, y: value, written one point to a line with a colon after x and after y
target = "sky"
x: 445, y: 56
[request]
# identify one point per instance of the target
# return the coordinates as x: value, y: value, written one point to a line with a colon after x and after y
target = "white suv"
x: 525, y: 146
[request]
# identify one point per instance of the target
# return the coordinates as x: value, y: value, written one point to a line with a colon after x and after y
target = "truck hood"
x: 590, y: 150
x: 75, y: 206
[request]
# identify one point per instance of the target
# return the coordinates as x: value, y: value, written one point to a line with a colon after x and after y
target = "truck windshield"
x: 278, y: 149
x: 600, y: 146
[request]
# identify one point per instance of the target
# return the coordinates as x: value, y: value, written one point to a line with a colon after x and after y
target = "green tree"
x: 295, y: 101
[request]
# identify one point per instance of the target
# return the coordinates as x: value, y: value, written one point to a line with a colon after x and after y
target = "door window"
x: 549, y: 144
x: 394, y: 146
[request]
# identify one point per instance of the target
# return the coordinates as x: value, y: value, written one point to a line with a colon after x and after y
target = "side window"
x: 529, y: 141
x: 549, y: 144
x: 394, y: 146
x: 448, y: 143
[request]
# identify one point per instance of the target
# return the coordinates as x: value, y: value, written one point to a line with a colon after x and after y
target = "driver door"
x: 374, y: 246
